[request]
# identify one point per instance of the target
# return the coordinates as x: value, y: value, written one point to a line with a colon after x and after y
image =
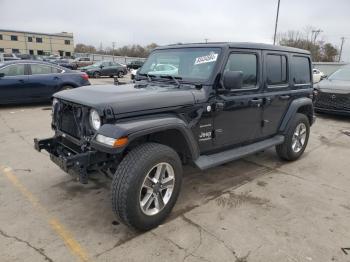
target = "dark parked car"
x: 33, y: 81
x: 332, y: 95
x: 224, y: 101
x: 135, y: 64
x: 105, y: 68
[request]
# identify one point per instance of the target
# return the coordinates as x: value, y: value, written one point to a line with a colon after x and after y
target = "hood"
x: 334, y: 86
x: 127, y: 98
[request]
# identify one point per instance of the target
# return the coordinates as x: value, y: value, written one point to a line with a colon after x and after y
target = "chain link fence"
x: 118, y: 59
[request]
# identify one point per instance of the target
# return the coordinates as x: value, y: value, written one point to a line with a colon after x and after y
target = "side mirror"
x: 101, y: 66
x: 2, y: 75
x: 233, y: 80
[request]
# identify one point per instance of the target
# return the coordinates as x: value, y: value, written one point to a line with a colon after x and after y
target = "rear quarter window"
x: 301, y: 70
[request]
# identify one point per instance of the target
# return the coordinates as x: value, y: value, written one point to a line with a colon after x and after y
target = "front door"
x: 238, y: 113
x: 12, y: 82
x: 277, y: 91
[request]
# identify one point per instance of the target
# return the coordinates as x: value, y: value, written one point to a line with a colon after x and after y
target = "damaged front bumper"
x: 70, y: 158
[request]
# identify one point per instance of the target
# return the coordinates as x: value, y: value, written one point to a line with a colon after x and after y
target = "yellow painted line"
x: 57, y: 227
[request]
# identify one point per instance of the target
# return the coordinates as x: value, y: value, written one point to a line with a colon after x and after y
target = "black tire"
x: 120, y: 74
x: 66, y: 87
x: 128, y: 180
x: 96, y: 74
x: 285, y: 150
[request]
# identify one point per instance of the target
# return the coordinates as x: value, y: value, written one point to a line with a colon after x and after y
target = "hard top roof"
x: 240, y: 45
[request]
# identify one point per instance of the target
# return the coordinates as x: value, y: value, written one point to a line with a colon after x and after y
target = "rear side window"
x: 301, y: 69
x: 247, y: 64
x: 276, y: 69
x: 13, y: 70
x: 43, y: 69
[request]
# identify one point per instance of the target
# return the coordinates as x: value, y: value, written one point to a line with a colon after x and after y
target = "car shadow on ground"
x: 198, y: 188
x: 334, y: 117
x: 14, y: 106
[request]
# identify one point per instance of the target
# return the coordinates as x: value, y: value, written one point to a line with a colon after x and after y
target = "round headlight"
x: 95, y: 120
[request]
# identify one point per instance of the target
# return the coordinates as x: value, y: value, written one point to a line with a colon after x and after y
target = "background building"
x: 36, y: 43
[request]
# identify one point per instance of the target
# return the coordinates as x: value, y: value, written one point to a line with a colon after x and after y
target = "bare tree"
x: 320, y: 50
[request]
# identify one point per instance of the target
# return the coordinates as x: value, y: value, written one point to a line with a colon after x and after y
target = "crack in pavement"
x: 199, y: 227
x: 38, y: 250
x: 187, y: 254
x: 13, y: 131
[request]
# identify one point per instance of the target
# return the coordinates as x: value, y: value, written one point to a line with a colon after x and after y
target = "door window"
x: 301, y: 69
x: 276, y: 69
x: 13, y: 70
x: 247, y: 64
x: 42, y: 69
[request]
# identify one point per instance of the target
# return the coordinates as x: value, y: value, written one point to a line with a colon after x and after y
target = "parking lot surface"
x: 255, y: 209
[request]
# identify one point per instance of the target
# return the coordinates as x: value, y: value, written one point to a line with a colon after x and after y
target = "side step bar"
x: 207, y: 161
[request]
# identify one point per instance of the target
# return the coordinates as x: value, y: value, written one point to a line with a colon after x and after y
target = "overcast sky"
x: 164, y: 22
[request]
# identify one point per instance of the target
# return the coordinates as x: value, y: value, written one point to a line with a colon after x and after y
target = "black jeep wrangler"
x: 207, y: 105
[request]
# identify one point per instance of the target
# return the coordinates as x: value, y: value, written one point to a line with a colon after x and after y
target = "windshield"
x: 185, y: 63
x: 341, y: 74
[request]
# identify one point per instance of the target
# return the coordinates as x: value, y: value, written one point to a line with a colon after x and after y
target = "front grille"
x: 333, y: 101
x: 71, y: 120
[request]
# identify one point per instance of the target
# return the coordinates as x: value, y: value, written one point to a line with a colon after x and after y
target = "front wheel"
x: 296, y: 138
x: 146, y: 185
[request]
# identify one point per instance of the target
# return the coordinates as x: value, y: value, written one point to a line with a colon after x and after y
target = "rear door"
x: 12, y: 83
x: 239, y: 120
x: 287, y: 77
x: 44, y: 80
x: 277, y: 90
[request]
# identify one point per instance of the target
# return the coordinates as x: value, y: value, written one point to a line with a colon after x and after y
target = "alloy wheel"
x: 299, y: 137
x: 157, y: 188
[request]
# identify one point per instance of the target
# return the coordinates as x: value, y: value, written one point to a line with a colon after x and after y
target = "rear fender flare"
x: 293, y: 109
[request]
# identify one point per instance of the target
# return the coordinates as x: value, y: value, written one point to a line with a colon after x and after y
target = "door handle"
x: 256, y: 101
x: 56, y: 78
x: 284, y: 97
x: 21, y: 80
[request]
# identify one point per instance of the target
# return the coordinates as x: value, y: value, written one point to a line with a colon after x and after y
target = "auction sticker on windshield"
x: 206, y: 59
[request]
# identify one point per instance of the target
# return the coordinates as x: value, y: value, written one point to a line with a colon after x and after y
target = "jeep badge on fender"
x: 199, y: 104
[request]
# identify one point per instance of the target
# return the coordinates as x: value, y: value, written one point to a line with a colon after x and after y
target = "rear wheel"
x: 96, y: 75
x: 146, y: 185
x: 296, y: 138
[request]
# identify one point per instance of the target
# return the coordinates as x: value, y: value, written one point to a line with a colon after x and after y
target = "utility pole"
x: 316, y: 33
x: 206, y: 40
x: 113, y: 45
x: 278, y: 10
x: 341, y: 48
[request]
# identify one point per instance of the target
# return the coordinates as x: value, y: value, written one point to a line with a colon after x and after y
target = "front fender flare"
x: 136, y: 128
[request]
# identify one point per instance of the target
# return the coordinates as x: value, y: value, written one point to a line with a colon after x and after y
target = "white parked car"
x: 317, y: 75
x: 133, y: 73
x: 164, y: 69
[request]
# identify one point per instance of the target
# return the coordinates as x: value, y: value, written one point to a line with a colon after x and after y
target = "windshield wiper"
x: 149, y: 77
x: 174, y: 78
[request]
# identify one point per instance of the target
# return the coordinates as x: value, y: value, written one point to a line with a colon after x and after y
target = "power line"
x: 316, y: 33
